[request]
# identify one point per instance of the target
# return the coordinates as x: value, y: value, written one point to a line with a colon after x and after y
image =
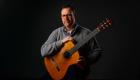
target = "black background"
x: 25, y: 25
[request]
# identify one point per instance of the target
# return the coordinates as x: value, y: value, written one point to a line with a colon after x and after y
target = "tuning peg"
x: 103, y: 28
x: 109, y: 23
x: 106, y: 26
x: 104, y: 22
x: 101, y: 24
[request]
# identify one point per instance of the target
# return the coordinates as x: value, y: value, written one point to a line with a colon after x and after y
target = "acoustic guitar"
x: 58, y: 64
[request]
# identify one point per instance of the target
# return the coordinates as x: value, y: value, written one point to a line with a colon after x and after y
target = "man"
x: 70, y: 30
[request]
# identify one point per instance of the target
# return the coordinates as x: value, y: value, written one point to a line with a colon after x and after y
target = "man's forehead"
x: 66, y: 10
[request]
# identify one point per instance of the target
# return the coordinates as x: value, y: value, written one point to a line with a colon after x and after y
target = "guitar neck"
x: 83, y: 41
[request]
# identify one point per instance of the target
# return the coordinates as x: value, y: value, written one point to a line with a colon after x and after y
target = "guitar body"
x: 58, y: 65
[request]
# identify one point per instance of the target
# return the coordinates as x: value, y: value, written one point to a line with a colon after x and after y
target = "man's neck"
x: 70, y: 28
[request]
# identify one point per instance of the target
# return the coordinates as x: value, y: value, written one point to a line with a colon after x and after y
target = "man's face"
x: 67, y: 16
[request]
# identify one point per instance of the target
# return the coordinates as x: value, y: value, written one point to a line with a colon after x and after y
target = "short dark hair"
x: 68, y: 6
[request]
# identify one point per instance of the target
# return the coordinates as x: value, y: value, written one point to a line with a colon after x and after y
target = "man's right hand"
x: 68, y: 38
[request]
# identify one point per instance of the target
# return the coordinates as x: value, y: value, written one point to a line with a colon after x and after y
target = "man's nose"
x: 66, y: 18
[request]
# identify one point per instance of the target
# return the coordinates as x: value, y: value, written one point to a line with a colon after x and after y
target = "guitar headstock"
x: 105, y: 24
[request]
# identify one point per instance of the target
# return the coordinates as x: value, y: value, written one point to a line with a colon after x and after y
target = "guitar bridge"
x: 55, y: 64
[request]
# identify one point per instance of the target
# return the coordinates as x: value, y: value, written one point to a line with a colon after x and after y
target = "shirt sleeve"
x: 94, y: 51
x: 51, y: 45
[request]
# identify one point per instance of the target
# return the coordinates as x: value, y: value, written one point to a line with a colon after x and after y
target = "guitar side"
x: 58, y: 65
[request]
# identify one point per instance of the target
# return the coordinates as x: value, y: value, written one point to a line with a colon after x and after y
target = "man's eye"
x: 63, y: 15
x: 69, y: 15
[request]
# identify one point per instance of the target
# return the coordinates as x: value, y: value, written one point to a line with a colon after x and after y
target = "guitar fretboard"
x: 83, y: 41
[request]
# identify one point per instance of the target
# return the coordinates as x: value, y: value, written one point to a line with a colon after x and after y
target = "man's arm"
x: 95, y: 51
x: 51, y: 45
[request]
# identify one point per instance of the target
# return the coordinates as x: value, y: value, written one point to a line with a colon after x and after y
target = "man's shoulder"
x: 58, y: 29
x: 84, y: 29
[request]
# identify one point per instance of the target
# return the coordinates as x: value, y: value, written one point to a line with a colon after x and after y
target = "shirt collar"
x: 73, y: 31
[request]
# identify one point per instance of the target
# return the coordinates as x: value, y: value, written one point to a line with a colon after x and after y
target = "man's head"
x: 68, y: 16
